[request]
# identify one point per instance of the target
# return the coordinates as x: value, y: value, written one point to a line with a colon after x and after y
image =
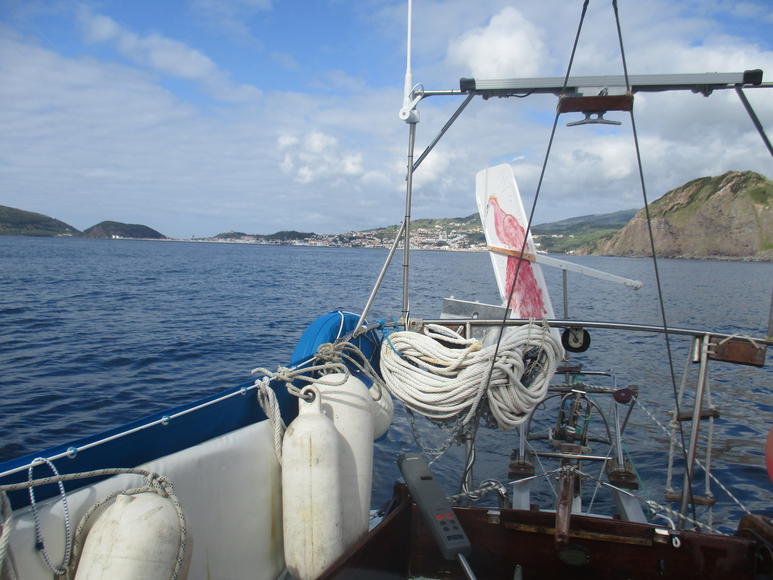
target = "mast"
x: 410, y: 115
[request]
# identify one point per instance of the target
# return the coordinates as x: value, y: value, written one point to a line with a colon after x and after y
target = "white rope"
x: 40, y: 546
x: 267, y: 401
x: 306, y: 374
x: 5, y: 536
x: 329, y: 359
x: 348, y: 352
x: 441, y: 382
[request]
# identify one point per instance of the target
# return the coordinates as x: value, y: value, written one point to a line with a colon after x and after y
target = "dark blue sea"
x: 95, y: 333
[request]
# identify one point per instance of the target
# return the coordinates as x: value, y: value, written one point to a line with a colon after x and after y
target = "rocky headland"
x: 727, y: 216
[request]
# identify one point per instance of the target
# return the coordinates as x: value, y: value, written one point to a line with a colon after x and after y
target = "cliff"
x: 17, y: 222
x: 726, y: 216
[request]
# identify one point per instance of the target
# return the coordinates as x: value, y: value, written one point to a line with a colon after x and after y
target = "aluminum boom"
x: 703, y: 83
x: 593, y: 272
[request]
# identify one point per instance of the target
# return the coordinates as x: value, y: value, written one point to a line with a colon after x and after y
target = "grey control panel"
x: 436, y: 510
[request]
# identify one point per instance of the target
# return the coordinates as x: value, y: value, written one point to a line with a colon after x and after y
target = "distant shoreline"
x: 763, y: 259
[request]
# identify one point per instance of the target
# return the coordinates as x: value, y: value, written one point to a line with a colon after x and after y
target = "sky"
x: 196, y: 117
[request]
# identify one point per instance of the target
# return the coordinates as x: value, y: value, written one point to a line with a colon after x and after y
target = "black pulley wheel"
x: 575, y: 339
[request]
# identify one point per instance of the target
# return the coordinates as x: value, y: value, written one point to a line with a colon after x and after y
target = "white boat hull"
x: 234, y: 523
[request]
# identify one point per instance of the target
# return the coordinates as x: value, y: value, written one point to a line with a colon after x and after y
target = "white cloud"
x: 509, y: 46
x: 317, y: 142
x: 352, y: 164
x: 285, y: 141
x: 318, y: 156
x: 98, y: 28
x: 752, y: 10
x: 165, y: 55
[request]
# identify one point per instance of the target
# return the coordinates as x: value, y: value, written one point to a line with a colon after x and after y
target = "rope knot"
x: 285, y: 374
x: 159, y: 484
x: 328, y: 352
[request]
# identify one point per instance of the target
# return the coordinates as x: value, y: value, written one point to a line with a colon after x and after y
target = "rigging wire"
x: 533, y: 208
x: 755, y: 120
x: 661, y: 301
x: 474, y: 427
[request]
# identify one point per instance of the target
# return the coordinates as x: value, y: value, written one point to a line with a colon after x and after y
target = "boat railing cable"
x: 698, y: 462
x: 675, y: 428
x: 653, y: 505
x: 300, y: 372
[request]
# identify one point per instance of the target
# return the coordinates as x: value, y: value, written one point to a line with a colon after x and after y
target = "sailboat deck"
x: 511, y: 544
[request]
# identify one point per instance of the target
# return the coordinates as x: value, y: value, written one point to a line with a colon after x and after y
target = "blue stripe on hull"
x: 190, y: 429
x: 147, y: 444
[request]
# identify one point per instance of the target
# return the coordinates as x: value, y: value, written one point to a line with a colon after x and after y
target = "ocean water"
x: 95, y: 333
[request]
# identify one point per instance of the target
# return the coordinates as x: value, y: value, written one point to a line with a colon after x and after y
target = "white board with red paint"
x: 504, y: 223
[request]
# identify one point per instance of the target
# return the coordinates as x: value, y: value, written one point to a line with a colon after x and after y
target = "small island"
x: 118, y: 231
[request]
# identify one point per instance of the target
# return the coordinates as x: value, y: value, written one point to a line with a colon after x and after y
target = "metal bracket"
x: 738, y: 350
x: 593, y: 119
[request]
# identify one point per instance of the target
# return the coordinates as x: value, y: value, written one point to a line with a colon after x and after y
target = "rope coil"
x: 441, y: 382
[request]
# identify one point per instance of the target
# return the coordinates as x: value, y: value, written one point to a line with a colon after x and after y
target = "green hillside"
x: 587, y: 223
x: 566, y: 236
x: 281, y: 236
x: 17, y: 222
x: 287, y: 235
x: 110, y: 229
x: 230, y: 236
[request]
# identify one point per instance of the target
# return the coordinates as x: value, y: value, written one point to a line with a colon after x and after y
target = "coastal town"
x: 445, y: 234
x: 434, y: 238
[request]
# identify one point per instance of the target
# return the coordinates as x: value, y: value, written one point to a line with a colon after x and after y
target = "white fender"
x: 311, y: 491
x: 383, y: 411
x: 351, y: 407
x: 138, y: 536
